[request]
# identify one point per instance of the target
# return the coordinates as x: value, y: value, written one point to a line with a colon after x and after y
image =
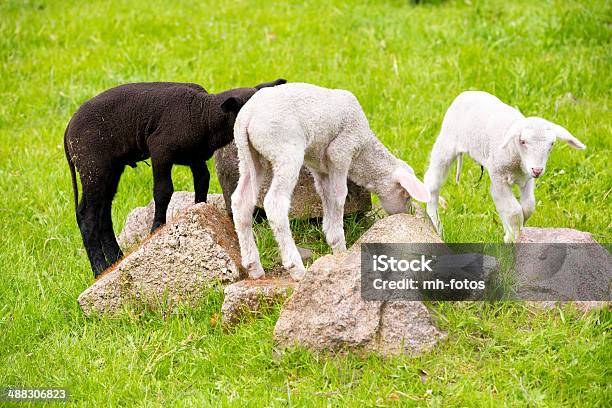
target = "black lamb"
x: 172, y: 123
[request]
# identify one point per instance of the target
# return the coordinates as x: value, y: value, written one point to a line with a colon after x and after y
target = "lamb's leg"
x: 88, y: 218
x: 508, y: 208
x: 201, y: 180
x: 162, y: 191
x: 286, y: 171
x: 528, y: 198
x: 332, y: 189
x: 244, y: 199
x: 109, y: 242
x: 442, y: 157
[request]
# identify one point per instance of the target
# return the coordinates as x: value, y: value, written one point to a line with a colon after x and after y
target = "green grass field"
x: 405, y: 63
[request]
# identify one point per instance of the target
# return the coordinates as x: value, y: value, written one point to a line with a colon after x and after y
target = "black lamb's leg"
x: 162, y: 191
x: 201, y: 181
x: 88, y: 217
x: 109, y: 242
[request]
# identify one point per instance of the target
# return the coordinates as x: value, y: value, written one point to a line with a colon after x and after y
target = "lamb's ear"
x: 279, y: 81
x: 412, y: 185
x: 512, y: 133
x: 231, y: 104
x: 563, y: 134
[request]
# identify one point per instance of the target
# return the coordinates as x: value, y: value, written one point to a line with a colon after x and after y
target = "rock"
x: 137, y: 226
x: 176, y: 264
x: 532, y: 235
x: 587, y: 306
x: 305, y: 202
x: 104, y: 296
x: 562, y: 264
x: 581, y: 305
x: 327, y: 312
x: 249, y: 296
x: 139, y: 221
x: 216, y: 200
x: 305, y: 253
x: 326, y: 309
x: 401, y: 229
x: 406, y: 328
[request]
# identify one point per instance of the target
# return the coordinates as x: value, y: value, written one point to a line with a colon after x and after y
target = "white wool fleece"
x: 514, y: 150
x: 326, y: 130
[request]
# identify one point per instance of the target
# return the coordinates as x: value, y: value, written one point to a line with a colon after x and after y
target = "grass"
x: 405, y: 63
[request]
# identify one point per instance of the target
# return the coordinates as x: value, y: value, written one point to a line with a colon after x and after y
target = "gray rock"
x: 401, y: 229
x: 531, y: 235
x: 305, y: 202
x: 406, y: 328
x: 136, y: 227
x: 327, y: 312
x: 139, y: 221
x: 305, y: 253
x: 561, y: 264
x: 584, y: 306
x: 176, y: 264
x: 249, y: 296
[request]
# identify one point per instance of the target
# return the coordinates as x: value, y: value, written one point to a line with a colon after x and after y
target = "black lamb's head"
x: 225, y: 108
x: 234, y: 99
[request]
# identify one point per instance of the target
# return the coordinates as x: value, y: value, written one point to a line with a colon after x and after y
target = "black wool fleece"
x: 172, y: 123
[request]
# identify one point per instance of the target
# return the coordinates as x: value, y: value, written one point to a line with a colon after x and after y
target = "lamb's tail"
x: 459, y: 164
x: 246, y: 157
x: 75, y: 188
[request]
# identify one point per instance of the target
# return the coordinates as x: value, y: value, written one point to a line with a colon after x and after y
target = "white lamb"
x: 325, y: 129
x: 514, y: 150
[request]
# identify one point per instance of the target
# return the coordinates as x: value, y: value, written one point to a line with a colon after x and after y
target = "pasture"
x: 405, y: 63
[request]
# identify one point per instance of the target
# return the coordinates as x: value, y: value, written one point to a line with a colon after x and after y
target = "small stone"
x: 305, y: 253
x: 248, y: 296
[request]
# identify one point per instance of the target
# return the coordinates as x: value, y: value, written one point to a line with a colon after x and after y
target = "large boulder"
x: 248, y: 297
x: 305, y: 202
x: 139, y: 221
x: 562, y: 264
x: 327, y: 311
x: 178, y: 263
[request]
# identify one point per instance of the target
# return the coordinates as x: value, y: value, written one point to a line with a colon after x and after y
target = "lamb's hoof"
x: 255, y: 271
x: 435, y: 221
x: 296, y: 273
x: 339, y: 250
x: 437, y: 227
x: 510, y: 238
x: 338, y: 246
x: 440, y: 230
x: 157, y: 225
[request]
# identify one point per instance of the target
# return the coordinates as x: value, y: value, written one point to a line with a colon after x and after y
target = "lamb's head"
x: 533, y: 138
x: 233, y: 100
x: 395, y: 192
x: 225, y: 108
